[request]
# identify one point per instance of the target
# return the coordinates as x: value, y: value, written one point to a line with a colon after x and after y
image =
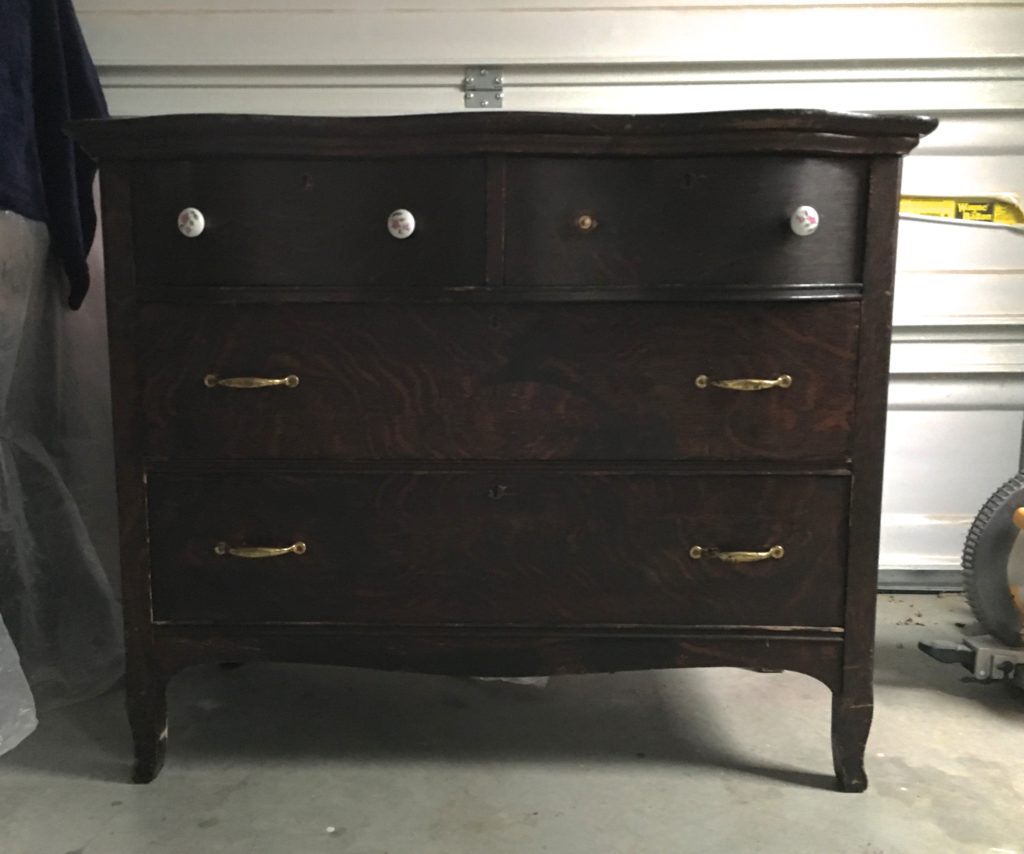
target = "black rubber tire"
x: 986, y: 552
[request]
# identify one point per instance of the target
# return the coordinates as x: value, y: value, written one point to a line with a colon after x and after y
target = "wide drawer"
x: 695, y: 221
x: 582, y: 381
x: 310, y: 222
x: 503, y: 546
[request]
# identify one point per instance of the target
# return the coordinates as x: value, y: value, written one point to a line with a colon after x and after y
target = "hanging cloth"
x: 59, y: 623
x: 46, y: 79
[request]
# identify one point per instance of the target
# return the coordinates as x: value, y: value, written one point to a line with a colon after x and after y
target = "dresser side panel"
x: 145, y: 677
x: 125, y: 393
x: 869, y: 422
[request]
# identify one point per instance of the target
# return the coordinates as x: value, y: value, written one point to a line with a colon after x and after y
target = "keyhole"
x: 498, y: 492
x: 495, y: 322
x: 307, y: 182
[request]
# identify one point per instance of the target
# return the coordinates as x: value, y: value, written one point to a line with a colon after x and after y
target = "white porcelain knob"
x: 804, y: 221
x: 401, y: 224
x: 191, y: 222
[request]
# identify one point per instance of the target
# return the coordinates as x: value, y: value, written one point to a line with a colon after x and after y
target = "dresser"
x: 501, y: 394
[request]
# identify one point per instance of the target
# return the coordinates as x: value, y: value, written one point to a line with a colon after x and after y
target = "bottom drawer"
x: 502, y: 547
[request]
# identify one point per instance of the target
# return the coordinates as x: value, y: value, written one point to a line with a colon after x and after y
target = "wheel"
x: 993, y: 565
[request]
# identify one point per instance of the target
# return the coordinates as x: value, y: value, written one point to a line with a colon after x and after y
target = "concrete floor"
x: 274, y: 759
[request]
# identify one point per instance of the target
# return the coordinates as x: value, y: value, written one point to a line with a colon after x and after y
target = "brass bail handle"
x: 298, y: 548
x: 774, y: 553
x: 781, y: 381
x: 213, y: 381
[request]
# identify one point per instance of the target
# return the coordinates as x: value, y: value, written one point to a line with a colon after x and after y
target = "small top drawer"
x: 309, y: 222
x: 697, y: 221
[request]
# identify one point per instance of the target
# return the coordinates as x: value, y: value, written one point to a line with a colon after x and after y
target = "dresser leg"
x: 147, y: 714
x: 851, y: 721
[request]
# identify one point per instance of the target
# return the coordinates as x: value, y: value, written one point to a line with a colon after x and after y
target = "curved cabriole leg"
x: 147, y: 714
x: 851, y: 722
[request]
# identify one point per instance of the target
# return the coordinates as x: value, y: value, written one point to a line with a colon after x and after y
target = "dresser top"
x: 751, y: 131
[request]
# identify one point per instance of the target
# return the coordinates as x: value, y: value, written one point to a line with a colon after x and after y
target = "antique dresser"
x: 501, y: 394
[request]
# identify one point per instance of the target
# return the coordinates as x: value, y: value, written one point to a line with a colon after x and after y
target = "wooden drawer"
x: 311, y: 222
x: 503, y: 546
x: 583, y: 381
x: 695, y: 221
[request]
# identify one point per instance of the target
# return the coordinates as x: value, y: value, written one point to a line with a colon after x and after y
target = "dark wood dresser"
x: 501, y: 394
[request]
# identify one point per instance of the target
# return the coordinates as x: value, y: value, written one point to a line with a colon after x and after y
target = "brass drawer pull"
x: 213, y: 381
x: 781, y: 381
x: 298, y: 548
x: 774, y: 553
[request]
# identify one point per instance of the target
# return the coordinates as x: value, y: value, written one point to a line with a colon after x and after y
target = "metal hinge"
x: 483, y: 87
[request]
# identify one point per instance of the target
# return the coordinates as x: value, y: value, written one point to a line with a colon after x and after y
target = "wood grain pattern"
x: 145, y: 681
x: 699, y: 221
x: 500, y: 382
x: 503, y: 653
x: 500, y: 295
x: 313, y: 223
x: 322, y: 224
x: 498, y: 548
x: 853, y: 706
x: 787, y: 131
x: 497, y: 454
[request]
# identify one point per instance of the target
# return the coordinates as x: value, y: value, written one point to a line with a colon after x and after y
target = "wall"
x: 957, y: 392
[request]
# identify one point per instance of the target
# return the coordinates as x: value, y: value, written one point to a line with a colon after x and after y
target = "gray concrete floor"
x: 274, y: 759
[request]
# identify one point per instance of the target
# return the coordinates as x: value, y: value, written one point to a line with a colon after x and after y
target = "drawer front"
x: 586, y: 381
x: 509, y: 547
x: 696, y: 221
x: 310, y: 223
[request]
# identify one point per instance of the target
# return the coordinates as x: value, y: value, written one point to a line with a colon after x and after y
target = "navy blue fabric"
x: 46, y: 79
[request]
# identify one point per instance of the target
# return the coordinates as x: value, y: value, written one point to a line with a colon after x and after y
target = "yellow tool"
x: 1002, y: 209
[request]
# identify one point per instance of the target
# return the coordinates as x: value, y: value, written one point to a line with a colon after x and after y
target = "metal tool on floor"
x: 993, y: 571
x: 987, y: 659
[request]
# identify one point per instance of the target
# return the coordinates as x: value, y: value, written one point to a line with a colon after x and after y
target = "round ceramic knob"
x: 191, y: 222
x: 804, y: 221
x: 401, y: 224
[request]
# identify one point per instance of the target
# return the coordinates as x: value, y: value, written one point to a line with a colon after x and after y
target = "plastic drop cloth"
x: 56, y: 599
x: 17, y: 708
